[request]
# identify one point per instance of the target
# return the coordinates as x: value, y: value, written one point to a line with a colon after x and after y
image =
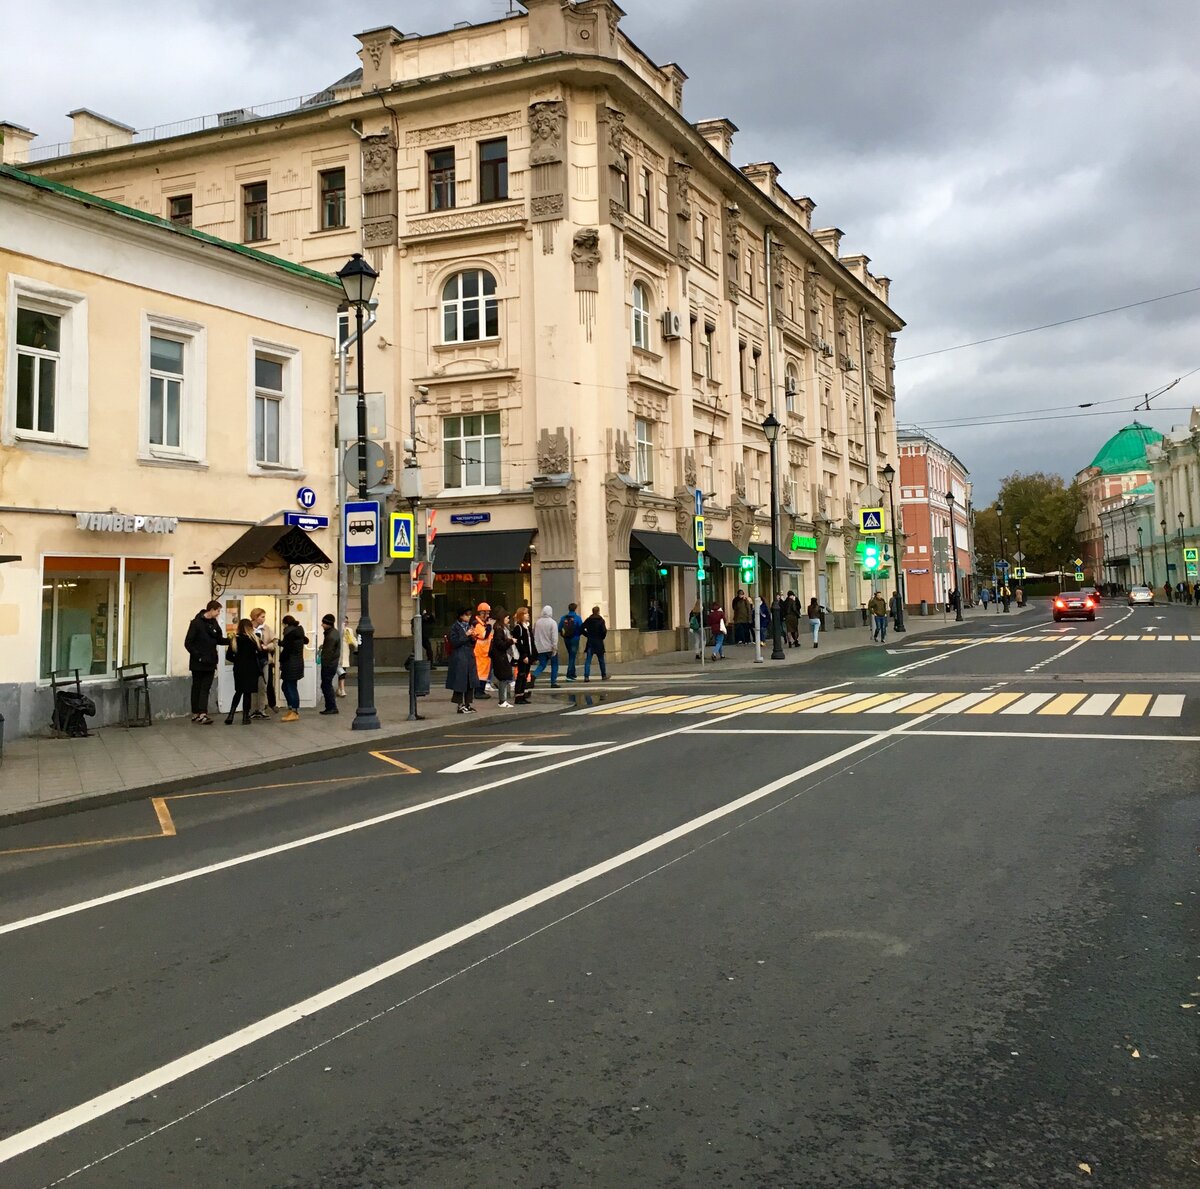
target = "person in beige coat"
x: 264, y: 696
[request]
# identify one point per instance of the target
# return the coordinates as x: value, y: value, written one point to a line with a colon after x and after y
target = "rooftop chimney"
x: 14, y: 143
x: 91, y: 131
x: 719, y: 134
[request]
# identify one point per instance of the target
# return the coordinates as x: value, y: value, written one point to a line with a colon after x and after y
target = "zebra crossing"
x: 1056, y: 638
x: 850, y: 701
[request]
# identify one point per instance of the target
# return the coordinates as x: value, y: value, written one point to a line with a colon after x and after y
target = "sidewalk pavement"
x: 45, y: 777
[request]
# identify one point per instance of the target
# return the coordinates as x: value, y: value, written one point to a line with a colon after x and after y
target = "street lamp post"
x: 1003, y: 551
x: 1182, y: 555
x: 1017, y: 556
x: 1162, y: 524
x: 358, y: 280
x: 889, y: 474
x: 770, y: 428
x: 957, y: 593
x: 1141, y: 556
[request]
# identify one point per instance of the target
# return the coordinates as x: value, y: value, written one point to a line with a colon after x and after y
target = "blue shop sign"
x: 470, y: 517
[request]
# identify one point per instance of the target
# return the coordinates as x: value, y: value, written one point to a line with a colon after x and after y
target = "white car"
x: 1141, y: 595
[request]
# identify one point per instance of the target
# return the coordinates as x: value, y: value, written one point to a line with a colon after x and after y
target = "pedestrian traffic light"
x: 700, y: 574
x: 663, y: 571
x: 748, y: 569
x: 871, y: 556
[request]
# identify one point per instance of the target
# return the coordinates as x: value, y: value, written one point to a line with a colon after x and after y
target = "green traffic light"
x: 700, y: 575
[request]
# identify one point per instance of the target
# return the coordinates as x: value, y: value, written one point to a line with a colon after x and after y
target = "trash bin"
x: 419, y: 676
x: 70, y: 710
x: 924, y: 607
x: 863, y: 609
x: 1, y: 738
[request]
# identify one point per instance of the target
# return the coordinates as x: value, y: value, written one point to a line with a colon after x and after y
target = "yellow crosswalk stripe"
x: 641, y: 704
x: 930, y: 703
x: 994, y: 703
x: 804, y: 704
x: 1132, y: 706
x: 1063, y: 704
x: 744, y: 705
x: 866, y: 704
x: 687, y: 704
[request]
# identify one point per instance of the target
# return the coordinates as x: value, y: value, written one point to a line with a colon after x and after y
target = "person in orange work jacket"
x: 481, y: 630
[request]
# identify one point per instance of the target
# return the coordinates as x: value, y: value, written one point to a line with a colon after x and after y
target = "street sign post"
x: 1078, y: 575
x: 402, y: 535
x: 360, y: 533
x: 699, y: 533
x: 870, y: 520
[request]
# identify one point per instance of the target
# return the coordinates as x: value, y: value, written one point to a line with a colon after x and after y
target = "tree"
x: 1045, y: 507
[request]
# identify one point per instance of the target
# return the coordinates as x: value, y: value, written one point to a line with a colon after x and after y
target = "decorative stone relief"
x: 619, y: 450
x: 685, y: 510
x: 741, y: 524
x: 462, y: 130
x: 739, y: 481
x: 380, y: 225
x: 488, y: 216
x: 547, y: 132
x: 679, y: 212
x: 586, y: 256
x: 553, y: 453
x: 689, y: 468
x: 731, y: 234
x: 651, y: 519
x: 554, y: 508
x: 620, y: 511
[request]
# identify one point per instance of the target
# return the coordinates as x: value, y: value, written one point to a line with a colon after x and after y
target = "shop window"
x: 100, y: 612
x: 470, y: 309
x: 641, y: 316
x: 493, y: 170
x: 254, y: 212
x: 333, y: 199
x: 441, y: 180
x: 649, y: 592
x: 643, y: 434
x: 47, y: 364
x: 471, y: 451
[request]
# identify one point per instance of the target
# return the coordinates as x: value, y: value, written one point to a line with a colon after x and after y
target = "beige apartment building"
x: 163, y: 397
x: 585, y: 306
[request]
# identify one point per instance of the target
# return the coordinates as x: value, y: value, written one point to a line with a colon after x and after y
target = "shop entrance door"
x: 237, y: 605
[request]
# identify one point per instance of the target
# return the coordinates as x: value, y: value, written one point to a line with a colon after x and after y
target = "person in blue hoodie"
x: 570, y: 628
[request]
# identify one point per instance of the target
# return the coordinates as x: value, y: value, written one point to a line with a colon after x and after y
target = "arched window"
x: 470, y: 310
x: 641, y: 316
x: 880, y: 444
x: 791, y: 386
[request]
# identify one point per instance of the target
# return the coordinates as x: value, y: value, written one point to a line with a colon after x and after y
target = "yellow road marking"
x: 28, y: 850
x: 1131, y: 706
x: 866, y: 703
x: 1063, y: 704
x: 930, y: 703
x: 165, y: 823
x: 638, y: 706
x: 387, y: 759
x: 689, y: 704
x: 994, y: 703
x: 740, y: 706
x: 805, y: 703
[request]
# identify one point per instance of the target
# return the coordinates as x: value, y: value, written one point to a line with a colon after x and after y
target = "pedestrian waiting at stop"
x: 503, y: 654
x: 791, y: 619
x: 204, y: 637
x: 814, y: 618
x: 594, y: 632
x: 545, y: 644
x: 331, y: 651
x: 696, y: 628
x: 716, y: 625
x: 742, y: 613
x: 243, y: 654
x: 291, y: 665
x: 879, y: 616
x: 522, y: 635
x: 569, y: 629
x: 461, y: 674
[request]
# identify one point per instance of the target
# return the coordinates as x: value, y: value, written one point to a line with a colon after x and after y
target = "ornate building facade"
x: 586, y: 311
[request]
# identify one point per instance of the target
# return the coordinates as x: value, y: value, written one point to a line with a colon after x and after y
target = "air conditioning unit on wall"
x: 672, y: 325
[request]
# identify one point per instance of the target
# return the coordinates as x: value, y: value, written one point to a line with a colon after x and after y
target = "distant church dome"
x: 1125, y: 451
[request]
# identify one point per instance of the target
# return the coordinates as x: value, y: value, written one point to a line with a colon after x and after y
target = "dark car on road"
x: 1074, y: 604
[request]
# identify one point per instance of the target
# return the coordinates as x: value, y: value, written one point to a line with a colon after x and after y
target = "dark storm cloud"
x: 1006, y: 164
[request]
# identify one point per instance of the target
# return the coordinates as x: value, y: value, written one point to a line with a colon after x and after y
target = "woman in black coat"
x: 244, y: 652
x: 500, y: 654
x: 291, y: 665
x: 461, y: 673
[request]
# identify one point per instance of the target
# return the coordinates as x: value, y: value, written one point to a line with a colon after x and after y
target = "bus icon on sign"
x: 361, y: 526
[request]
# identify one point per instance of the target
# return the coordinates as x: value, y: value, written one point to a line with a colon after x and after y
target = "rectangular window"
x: 39, y: 344
x: 645, y: 210
x: 702, y: 237
x: 623, y: 182
x: 493, y: 170
x: 441, y: 179
x: 644, y: 458
x: 179, y: 210
x: 749, y: 272
x: 98, y: 612
x: 471, y: 451
x: 268, y: 408
x: 166, y: 390
x: 254, y: 212
x: 742, y: 366
x: 755, y: 368
x: 333, y: 199
x: 709, y: 358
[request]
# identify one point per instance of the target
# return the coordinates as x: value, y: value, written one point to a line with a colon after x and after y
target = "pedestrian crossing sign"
x: 870, y: 520
x: 1078, y: 575
x: 1019, y: 573
x: 1191, y: 556
x: 401, y: 535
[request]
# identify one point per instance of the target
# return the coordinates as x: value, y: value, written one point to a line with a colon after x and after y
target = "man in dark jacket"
x: 594, y: 630
x: 331, y: 651
x: 570, y: 628
x: 204, y: 637
x: 291, y: 666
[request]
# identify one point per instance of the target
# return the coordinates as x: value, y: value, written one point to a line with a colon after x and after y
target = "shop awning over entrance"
x: 780, y: 562
x: 293, y: 544
x: 723, y: 552
x: 9, y: 557
x: 500, y: 552
x: 668, y: 549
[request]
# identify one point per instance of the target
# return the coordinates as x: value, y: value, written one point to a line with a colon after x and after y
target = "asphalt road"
x: 922, y: 914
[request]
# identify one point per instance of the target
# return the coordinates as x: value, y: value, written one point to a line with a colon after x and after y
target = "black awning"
x: 9, y: 557
x: 293, y: 544
x: 725, y: 553
x: 781, y: 562
x: 668, y: 549
x: 501, y: 552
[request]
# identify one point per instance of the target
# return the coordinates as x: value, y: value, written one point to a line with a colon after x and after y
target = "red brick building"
x: 930, y: 474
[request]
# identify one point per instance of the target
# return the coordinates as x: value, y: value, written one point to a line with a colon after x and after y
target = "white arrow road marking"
x: 511, y: 753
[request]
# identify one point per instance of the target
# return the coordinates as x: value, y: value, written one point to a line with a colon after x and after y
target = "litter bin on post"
x: 420, y: 678
x: 924, y: 607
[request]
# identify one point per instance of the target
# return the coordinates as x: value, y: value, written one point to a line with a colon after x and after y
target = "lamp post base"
x: 366, y: 718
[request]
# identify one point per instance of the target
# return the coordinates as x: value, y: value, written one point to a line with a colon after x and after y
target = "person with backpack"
x: 696, y: 627
x: 594, y: 630
x: 570, y: 627
x: 204, y: 637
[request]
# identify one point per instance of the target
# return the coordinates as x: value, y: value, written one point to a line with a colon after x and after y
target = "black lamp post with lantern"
x: 889, y: 475
x: 771, y: 427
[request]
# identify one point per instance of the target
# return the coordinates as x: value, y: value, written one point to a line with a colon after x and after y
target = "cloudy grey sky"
x: 1006, y: 164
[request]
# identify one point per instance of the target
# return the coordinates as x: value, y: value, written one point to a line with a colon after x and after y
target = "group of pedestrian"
x: 258, y: 657
x: 1183, y: 592
x: 995, y: 596
x: 494, y: 653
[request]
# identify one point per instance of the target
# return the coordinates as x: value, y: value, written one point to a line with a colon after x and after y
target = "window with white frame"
x: 710, y: 361
x: 755, y: 369
x: 471, y: 451
x: 470, y: 309
x: 275, y: 434
x: 645, y: 196
x: 47, y: 370
x: 442, y: 166
x: 791, y: 386
x: 702, y: 237
x: 641, y: 316
x: 174, y: 385
x: 643, y: 451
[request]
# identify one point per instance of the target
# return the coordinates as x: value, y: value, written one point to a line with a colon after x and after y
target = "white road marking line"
x: 825, y: 707
x: 338, y: 831
x: 1127, y: 737
x: 1167, y: 706
x: 1028, y: 704
x: 1097, y: 704
x: 712, y: 705
x: 104, y: 1104
x: 931, y: 660
x: 898, y: 704
x: 963, y: 703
